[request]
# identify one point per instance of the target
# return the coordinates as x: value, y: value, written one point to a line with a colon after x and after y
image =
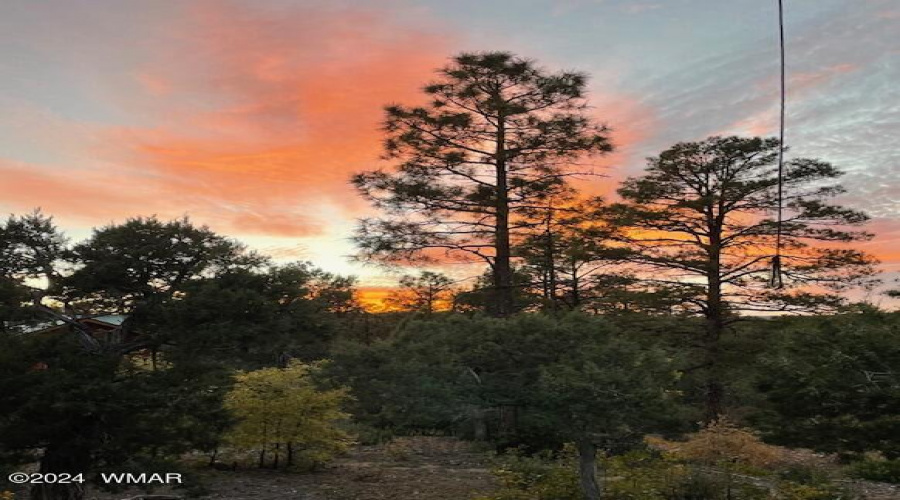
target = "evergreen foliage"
x: 832, y: 384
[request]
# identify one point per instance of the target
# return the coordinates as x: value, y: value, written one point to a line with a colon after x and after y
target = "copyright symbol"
x: 18, y: 478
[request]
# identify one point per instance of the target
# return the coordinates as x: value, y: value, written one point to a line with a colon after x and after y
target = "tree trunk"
x: 480, y: 431
x: 715, y: 326
x: 551, y: 265
x: 67, y: 491
x: 587, y: 470
x: 715, y: 389
x: 508, y: 421
x: 502, y: 270
x: 576, y: 284
x: 61, y: 460
x: 715, y: 393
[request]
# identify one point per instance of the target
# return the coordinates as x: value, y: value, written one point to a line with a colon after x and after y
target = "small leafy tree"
x: 283, y: 415
x: 480, y: 294
x: 498, y: 136
x: 624, y: 292
x: 701, y: 219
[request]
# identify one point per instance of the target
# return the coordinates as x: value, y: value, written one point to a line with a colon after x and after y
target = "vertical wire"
x: 776, y: 260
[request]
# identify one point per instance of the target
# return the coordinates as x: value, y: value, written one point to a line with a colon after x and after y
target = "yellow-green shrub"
x: 284, y: 418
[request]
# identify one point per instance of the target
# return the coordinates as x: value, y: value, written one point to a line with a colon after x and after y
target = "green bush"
x: 802, y: 474
x: 368, y: 435
x: 845, y: 361
x: 544, y: 477
x: 887, y: 471
x: 795, y: 491
x: 648, y: 475
x: 639, y: 475
x: 642, y: 475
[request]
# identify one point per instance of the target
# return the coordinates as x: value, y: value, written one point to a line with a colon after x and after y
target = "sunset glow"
x: 250, y: 116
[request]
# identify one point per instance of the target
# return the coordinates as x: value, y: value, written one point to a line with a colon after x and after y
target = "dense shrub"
x: 638, y: 475
x: 887, y: 471
x: 803, y: 474
x: 647, y: 475
x: 545, y: 476
x: 831, y: 384
x: 479, y: 376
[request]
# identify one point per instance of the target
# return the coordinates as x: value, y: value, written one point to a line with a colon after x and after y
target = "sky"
x: 250, y: 115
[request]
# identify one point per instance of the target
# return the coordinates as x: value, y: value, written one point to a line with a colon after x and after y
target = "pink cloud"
x: 799, y: 85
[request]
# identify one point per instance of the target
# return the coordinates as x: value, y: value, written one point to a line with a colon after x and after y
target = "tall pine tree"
x: 701, y: 219
x: 498, y: 136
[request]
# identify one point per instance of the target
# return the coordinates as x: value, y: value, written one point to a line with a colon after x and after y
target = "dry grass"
x: 722, y: 442
x: 428, y: 468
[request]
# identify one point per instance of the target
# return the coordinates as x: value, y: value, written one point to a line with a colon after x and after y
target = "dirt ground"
x: 431, y: 468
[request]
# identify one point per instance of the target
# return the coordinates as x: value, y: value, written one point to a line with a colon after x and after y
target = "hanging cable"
x: 776, y: 280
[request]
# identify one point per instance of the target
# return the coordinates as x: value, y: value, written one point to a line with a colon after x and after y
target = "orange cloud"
x: 289, y: 106
x: 88, y: 193
x: 274, y: 224
x: 812, y: 79
x: 252, y: 119
x: 249, y: 118
x: 886, y: 244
